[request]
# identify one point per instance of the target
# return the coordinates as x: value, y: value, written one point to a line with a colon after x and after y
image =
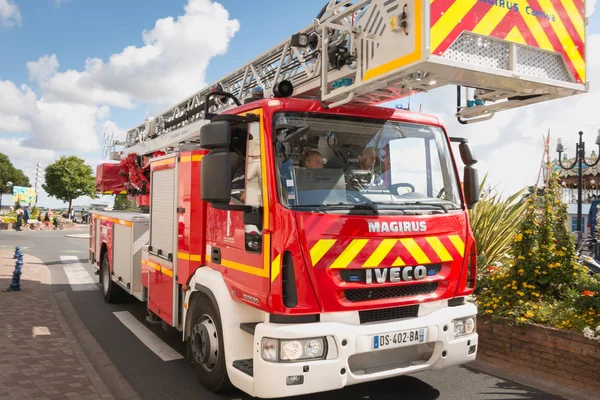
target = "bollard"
x: 17, y: 251
x: 15, y: 284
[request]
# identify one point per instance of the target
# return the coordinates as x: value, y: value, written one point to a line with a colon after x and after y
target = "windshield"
x: 336, y: 162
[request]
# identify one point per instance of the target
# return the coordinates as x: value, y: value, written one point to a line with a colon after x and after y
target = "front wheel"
x: 206, y: 348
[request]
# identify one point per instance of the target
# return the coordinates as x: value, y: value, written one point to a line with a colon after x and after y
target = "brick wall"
x: 560, y: 356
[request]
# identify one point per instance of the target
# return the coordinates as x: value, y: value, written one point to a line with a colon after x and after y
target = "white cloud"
x: 590, y: 7
x: 170, y: 66
x: 67, y: 126
x: 9, y: 14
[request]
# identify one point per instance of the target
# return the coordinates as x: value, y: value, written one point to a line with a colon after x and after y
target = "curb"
x: 59, y: 310
x: 103, y: 369
x: 531, y: 381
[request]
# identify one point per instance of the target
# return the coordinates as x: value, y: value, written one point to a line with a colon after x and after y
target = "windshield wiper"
x: 417, y: 203
x: 338, y: 206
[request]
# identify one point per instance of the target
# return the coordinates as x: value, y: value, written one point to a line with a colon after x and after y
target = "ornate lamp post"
x: 579, y: 160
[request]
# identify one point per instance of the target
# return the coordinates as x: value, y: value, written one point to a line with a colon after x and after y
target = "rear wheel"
x: 205, y: 346
x: 111, y: 292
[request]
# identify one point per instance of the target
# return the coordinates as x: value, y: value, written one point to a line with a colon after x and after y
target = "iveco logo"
x: 398, y: 226
x: 397, y: 274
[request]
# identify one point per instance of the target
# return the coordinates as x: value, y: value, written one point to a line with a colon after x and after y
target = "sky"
x: 71, y: 69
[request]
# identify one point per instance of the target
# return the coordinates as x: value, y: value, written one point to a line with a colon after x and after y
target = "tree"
x: 69, y: 178
x: 121, y: 203
x: 8, y: 173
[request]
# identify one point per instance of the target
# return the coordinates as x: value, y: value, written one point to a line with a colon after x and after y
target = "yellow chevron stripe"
x: 349, y: 253
x: 490, y: 20
x: 565, y: 39
x: 515, y: 36
x: 448, y: 21
x: 380, y: 253
x: 575, y: 17
x: 319, y: 249
x: 439, y: 248
x: 415, y: 251
x: 398, y: 263
x: 536, y: 30
x: 458, y: 244
x: 275, y: 267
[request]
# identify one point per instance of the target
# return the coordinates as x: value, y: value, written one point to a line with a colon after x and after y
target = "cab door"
x: 241, y: 249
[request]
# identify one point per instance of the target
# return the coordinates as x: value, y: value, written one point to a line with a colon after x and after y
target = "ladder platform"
x: 377, y: 51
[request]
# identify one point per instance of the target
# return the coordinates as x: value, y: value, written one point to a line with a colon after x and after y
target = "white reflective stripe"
x: 153, y: 342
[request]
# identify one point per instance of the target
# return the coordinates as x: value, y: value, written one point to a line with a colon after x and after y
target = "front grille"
x: 355, y: 295
x: 388, y: 314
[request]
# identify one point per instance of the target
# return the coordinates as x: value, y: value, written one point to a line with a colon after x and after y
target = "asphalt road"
x: 154, y: 378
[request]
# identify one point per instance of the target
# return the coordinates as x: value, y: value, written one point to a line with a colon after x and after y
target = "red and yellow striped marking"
x: 115, y: 192
x: 113, y: 220
x: 158, y: 267
x: 427, y: 250
x: 553, y: 25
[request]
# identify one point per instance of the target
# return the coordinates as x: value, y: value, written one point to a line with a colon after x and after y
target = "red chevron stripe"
x: 580, y: 7
x: 468, y: 23
x: 554, y: 39
x: 510, y: 20
x: 438, y: 7
x: 564, y: 17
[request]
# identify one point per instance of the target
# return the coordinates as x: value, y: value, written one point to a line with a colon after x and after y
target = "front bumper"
x: 352, y: 360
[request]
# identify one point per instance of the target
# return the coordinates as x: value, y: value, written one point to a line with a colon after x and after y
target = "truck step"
x: 249, y: 327
x: 246, y: 366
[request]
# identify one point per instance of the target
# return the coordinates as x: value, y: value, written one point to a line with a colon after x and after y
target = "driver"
x: 367, y: 163
x: 313, y: 159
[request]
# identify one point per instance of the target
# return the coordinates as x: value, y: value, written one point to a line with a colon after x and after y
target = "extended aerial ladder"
x: 376, y: 51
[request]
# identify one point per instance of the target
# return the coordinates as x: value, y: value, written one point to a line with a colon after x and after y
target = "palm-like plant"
x: 495, y: 221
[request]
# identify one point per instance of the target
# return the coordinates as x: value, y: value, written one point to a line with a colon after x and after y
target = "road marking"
x: 153, y: 342
x: 78, y: 277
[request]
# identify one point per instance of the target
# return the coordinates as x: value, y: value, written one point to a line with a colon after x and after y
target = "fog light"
x: 464, y: 326
x: 294, y: 380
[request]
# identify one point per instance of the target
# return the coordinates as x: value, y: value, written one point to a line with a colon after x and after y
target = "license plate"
x: 398, y: 339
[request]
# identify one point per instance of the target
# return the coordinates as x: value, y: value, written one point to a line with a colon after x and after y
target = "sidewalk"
x: 40, y: 357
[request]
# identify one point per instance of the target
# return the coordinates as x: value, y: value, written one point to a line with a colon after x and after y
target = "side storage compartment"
x: 162, y: 250
x: 122, y: 262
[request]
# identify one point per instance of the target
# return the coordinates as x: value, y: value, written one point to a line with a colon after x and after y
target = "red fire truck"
x: 300, y: 237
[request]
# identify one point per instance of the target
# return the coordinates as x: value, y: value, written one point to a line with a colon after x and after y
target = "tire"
x: 111, y: 292
x: 210, y: 367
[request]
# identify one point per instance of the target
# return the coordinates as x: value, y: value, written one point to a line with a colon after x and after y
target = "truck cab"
x: 345, y: 230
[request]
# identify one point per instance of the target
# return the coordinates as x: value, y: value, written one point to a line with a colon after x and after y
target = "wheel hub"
x: 205, y: 343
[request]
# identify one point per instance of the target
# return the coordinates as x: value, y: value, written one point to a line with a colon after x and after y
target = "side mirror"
x: 466, y: 155
x: 215, y: 185
x: 471, y: 186
x: 215, y: 135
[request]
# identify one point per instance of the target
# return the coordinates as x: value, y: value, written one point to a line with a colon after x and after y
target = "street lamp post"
x: 579, y: 160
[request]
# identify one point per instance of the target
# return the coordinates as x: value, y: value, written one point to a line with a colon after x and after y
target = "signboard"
x: 23, y: 195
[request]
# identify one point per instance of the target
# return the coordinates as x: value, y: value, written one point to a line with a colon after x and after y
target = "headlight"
x: 464, y: 326
x: 287, y: 350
